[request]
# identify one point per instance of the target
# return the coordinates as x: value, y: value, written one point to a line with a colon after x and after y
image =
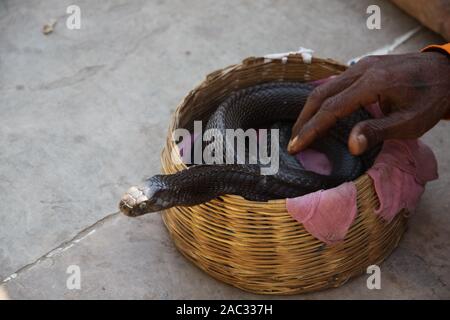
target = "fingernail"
x: 292, y: 143
x: 362, y: 142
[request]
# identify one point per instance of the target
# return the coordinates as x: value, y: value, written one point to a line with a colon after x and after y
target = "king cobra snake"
x: 275, y: 104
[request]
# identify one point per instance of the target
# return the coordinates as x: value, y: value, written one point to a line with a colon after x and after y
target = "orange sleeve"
x: 445, y: 48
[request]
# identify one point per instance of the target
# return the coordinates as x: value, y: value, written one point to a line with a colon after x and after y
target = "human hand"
x: 413, y: 91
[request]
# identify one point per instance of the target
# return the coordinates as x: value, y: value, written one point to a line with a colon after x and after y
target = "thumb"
x: 367, y: 134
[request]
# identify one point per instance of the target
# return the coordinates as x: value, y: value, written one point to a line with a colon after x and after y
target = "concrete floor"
x: 84, y: 114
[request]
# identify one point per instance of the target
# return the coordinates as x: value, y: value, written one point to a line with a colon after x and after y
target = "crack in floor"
x: 389, y: 48
x: 62, y: 247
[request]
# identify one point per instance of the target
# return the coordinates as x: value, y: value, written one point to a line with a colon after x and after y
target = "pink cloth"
x: 315, y: 161
x: 400, y: 173
x: 326, y: 214
x: 185, y: 148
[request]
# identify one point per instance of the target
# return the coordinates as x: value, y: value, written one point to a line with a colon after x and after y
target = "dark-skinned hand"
x: 413, y: 91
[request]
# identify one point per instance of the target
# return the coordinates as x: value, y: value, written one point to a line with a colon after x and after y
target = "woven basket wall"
x: 258, y: 246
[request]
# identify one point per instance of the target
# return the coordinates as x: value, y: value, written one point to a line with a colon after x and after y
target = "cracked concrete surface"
x: 66, y: 245
x: 84, y: 115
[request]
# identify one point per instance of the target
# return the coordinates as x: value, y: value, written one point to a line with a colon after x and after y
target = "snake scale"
x: 277, y: 105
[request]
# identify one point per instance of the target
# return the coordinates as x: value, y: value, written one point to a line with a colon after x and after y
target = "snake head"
x: 138, y: 201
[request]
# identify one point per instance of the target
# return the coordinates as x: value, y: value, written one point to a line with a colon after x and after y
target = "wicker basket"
x: 258, y: 246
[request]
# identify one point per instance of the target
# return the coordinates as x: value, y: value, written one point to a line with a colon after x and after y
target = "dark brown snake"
x: 277, y: 105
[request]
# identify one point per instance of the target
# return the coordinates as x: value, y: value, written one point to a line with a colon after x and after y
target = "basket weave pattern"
x: 258, y: 246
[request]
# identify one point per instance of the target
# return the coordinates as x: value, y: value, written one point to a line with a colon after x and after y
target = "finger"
x: 367, y: 134
x: 330, y: 88
x: 317, y: 97
x: 334, y: 108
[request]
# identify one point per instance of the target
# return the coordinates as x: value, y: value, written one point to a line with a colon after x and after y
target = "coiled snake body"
x: 277, y: 104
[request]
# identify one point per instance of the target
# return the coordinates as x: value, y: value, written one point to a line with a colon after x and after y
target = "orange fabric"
x: 445, y: 48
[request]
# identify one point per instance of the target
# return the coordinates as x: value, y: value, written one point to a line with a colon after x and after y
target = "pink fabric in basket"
x: 400, y: 173
x: 315, y: 161
x: 326, y: 214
